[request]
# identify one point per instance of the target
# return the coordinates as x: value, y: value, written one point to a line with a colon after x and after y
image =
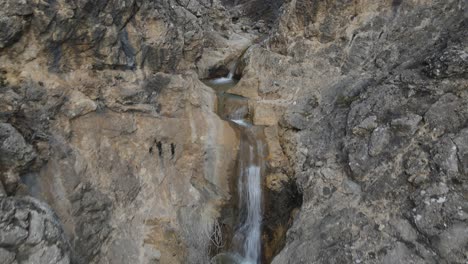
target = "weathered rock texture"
x: 31, y: 233
x: 103, y: 116
x: 372, y: 102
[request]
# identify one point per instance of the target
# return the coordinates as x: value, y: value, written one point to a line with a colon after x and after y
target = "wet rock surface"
x: 260, y: 155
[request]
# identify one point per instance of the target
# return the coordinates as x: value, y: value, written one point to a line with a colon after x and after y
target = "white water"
x: 232, y: 71
x: 241, y: 122
x: 229, y: 79
x: 252, y: 245
x: 250, y: 196
x: 249, y: 191
x: 248, y: 235
x: 222, y: 80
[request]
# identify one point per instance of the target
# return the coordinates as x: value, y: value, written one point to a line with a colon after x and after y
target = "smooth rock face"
x: 103, y: 117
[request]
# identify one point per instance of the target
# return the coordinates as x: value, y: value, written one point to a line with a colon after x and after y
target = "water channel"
x: 246, y: 244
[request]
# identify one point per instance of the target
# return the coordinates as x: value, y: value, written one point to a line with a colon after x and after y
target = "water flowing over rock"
x: 114, y: 149
x: 248, y: 234
x: 248, y: 220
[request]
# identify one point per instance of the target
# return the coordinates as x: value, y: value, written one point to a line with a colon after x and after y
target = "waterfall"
x: 246, y: 245
x: 229, y: 79
x: 250, y: 196
x: 232, y: 71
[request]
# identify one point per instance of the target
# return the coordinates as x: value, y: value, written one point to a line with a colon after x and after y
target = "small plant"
x: 202, y: 236
x: 216, y: 235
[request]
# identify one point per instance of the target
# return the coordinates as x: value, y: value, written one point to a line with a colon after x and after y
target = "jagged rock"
x: 276, y: 181
x: 444, y: 115
x: 391, y: 125
x: 461, y: 142
x: 221, y: 51
x: 359, y: 161
x: 27, y: 239
x: 445, y: 156
x: 36, y: 228
x: 78, y: 105
x: 2, y: 190
x: 452, y: 62
x: 367, y: 125
x: 416, y: 164
x: 6, y: 256
x: 47, y: 254
x: 12, y: 236
x: 233, y: 107
x: 12, y: 28
x: 379, y: 140
x: 406, y: 125
x: 91, y: 211
x: 110, y: 131
x: 13, y: 21
x: 15, y: 154
x: 9, y: 103
x: 452, y: 242
x: 402, y: 253
x: 96, y: 186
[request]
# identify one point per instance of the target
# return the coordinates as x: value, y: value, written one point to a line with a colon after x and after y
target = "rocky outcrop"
x: 164, y: 36
x: 31, y: 233
x: 135, y: 172
x: 119, y: 35
x: 133, y: 161
x: 15, y: 154
x: 371, y: 99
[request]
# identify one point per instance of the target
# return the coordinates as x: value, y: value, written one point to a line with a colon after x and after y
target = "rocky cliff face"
x: 376, y: 128
x: 103, y: 117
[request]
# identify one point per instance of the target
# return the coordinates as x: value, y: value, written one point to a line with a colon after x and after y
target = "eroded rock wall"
x: 370, y: 98
x: 105, y: 119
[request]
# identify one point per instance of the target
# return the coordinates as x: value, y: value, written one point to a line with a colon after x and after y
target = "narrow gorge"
x: 244, y: 222
x: 233, y: 131
x: 246, y: 242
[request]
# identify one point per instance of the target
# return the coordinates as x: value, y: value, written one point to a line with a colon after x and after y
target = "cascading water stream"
x: 246, y: 245
x: 254, y: 222
x: 250, y: 193
x: 228, y: 80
